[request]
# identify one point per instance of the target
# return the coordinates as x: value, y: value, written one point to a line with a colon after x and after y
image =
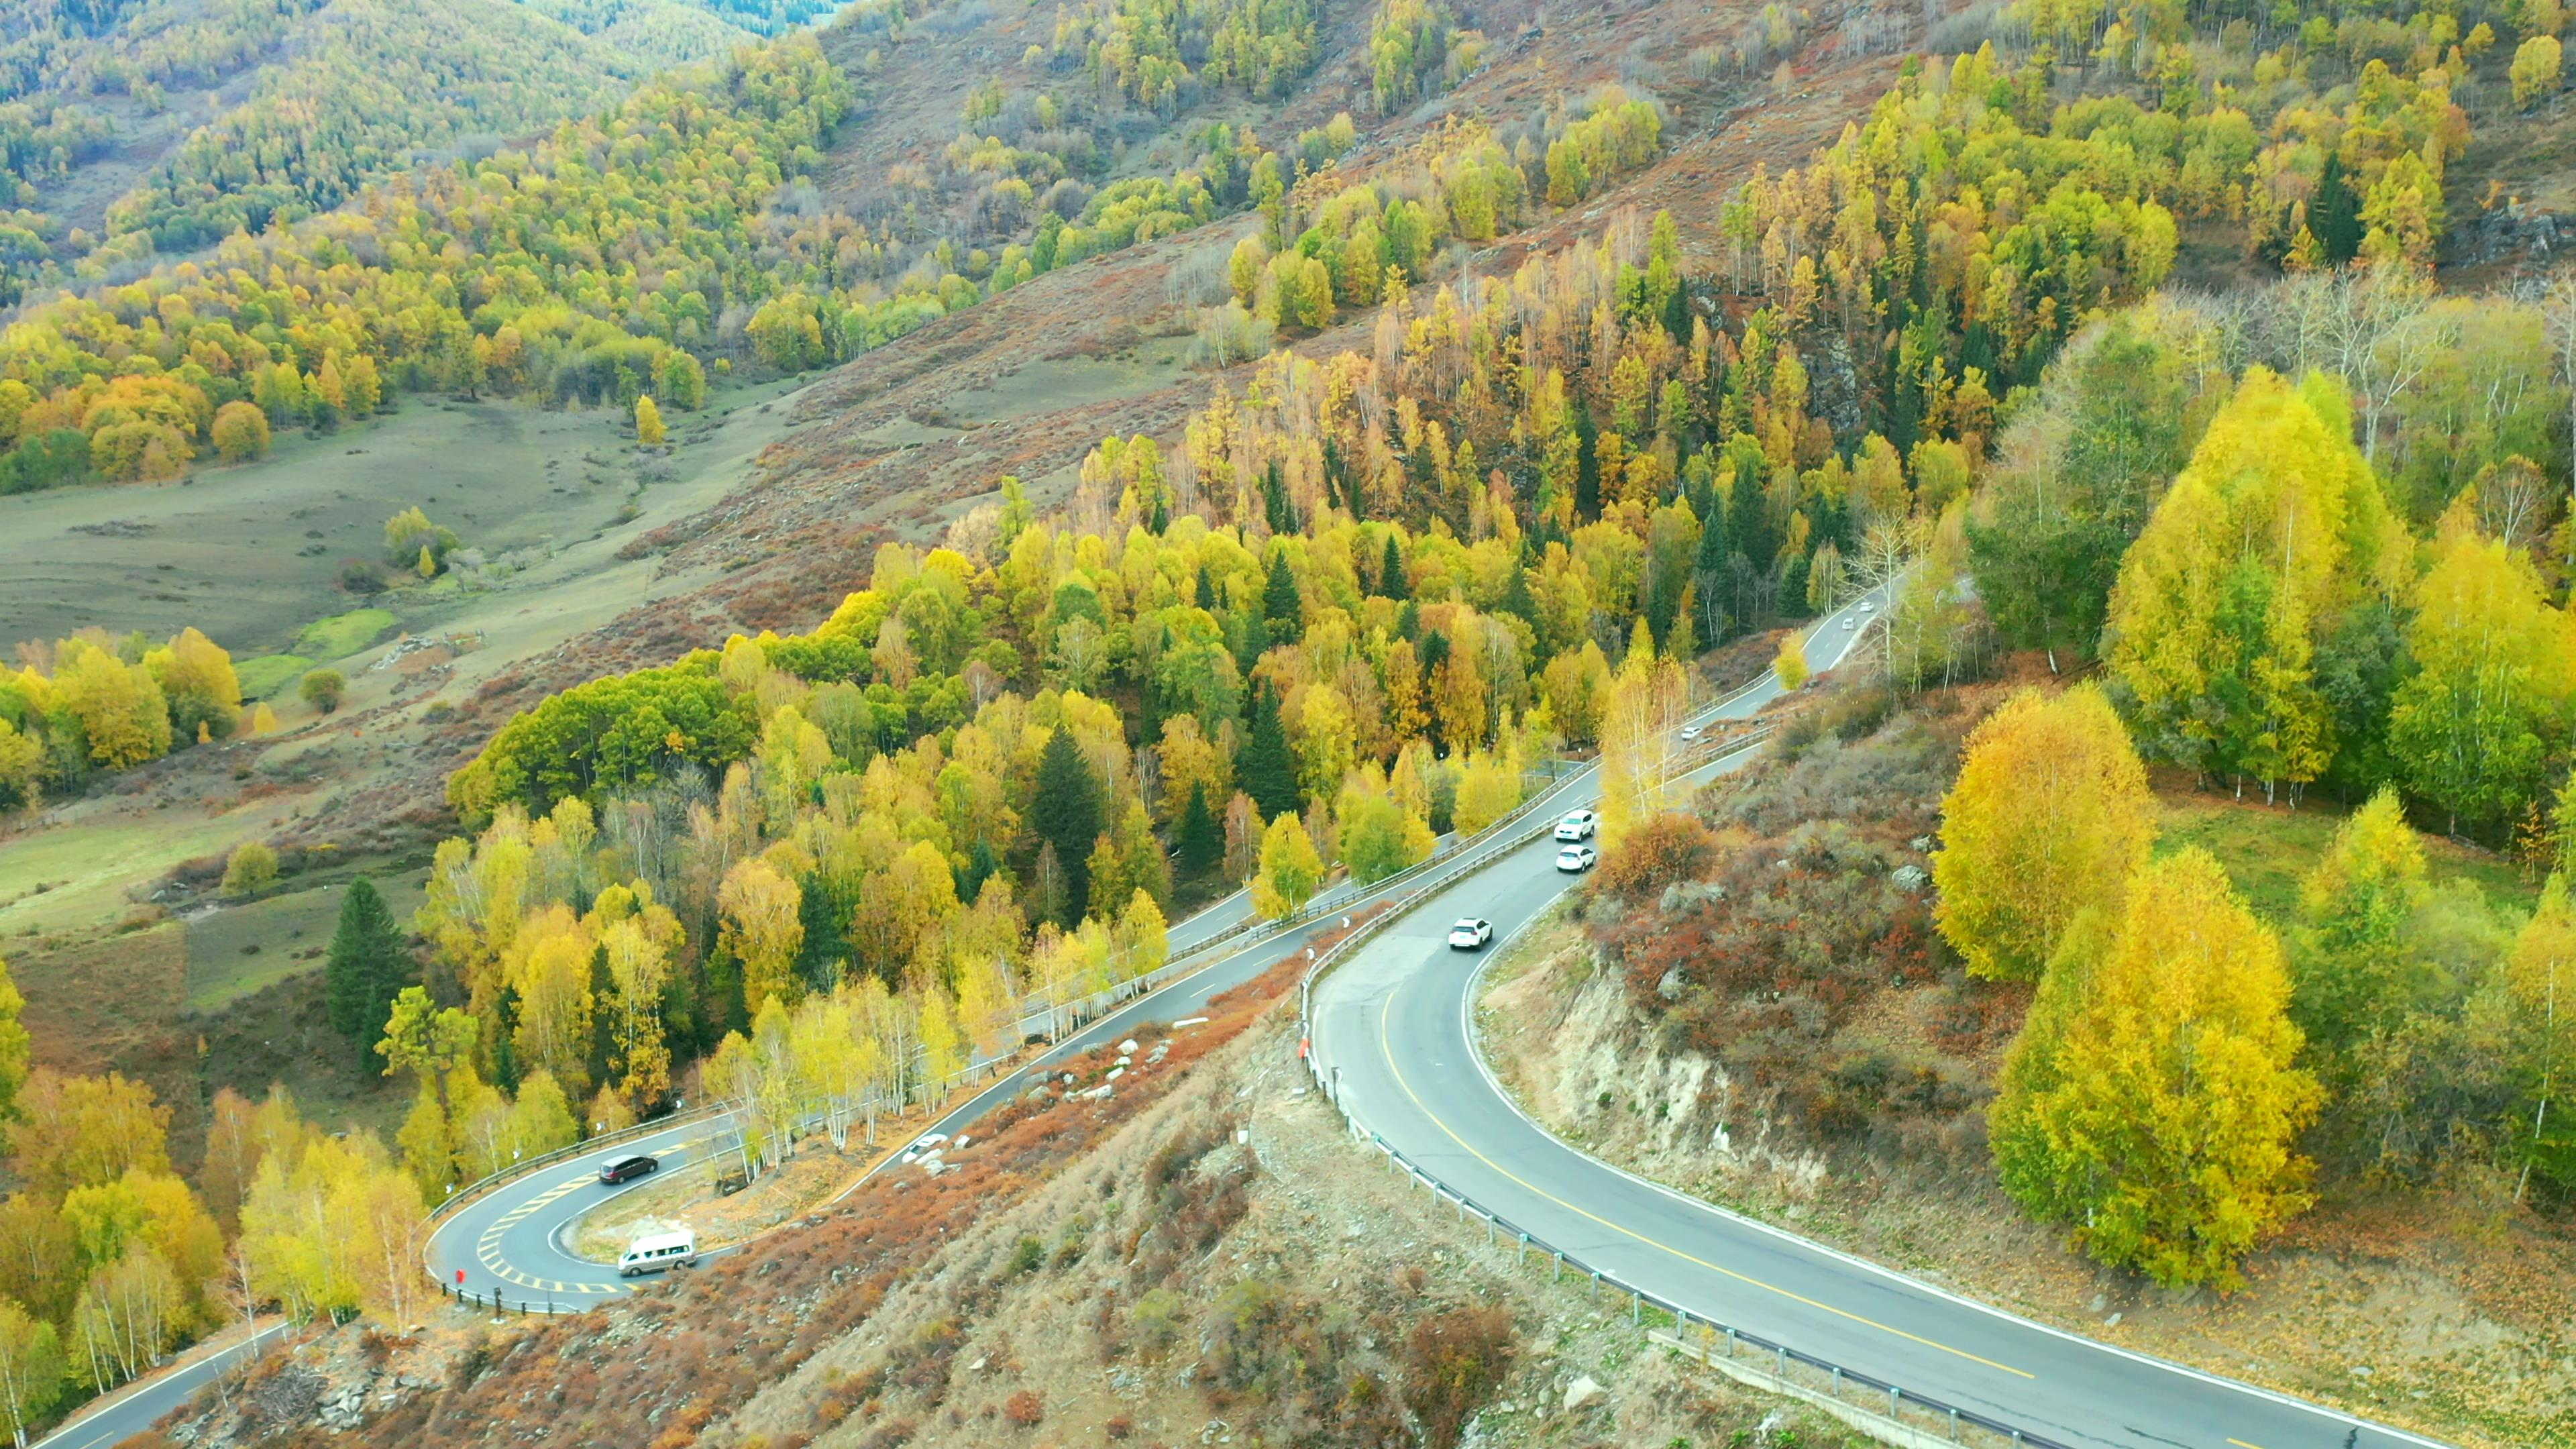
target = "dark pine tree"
x: 1207, y: 590
x: 1517, y: 601
x: 364, y: 967
x: 1264, y: 770
x: 603, y: 1022
x: 1275, y: 507
x: 1200, y: 842
x: 1390, y: 572
x: 1066, y: 815
x: 824, y: 906
x: 2335, y: 216
x: 980, y: 867
x: 1587, y: 470
x: 1280, y: 604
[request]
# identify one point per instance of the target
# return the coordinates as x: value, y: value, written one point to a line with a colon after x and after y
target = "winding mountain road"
x: 1393, y: 1031
x: 1393, y: 1023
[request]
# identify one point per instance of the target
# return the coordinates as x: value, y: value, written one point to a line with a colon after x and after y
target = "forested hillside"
x: 1409, y: 396
x: 152, y: 127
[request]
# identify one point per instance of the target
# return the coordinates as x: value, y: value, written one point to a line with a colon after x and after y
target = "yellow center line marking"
x: 1387, y: 1049
x: 487, y: 1246
x: 2241, y: 1444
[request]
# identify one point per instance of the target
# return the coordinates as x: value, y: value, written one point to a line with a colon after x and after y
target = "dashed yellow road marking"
x: 1386, y: 1048
x: 487, y: 1248
x: 2241, y: 1444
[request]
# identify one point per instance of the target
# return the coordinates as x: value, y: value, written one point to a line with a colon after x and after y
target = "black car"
x: 627, y: 1169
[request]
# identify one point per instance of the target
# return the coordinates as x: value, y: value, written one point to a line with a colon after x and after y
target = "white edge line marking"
x: 1476, y: 1051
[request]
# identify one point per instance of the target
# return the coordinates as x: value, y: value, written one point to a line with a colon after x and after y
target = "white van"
x: 659, y: 1251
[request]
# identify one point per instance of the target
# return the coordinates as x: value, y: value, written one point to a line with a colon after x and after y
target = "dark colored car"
x: 627, y: 1169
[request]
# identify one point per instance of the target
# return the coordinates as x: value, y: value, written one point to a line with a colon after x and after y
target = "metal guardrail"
x: 1451, y: 865
x: 1898, y: 1397
x: 516, y: 1170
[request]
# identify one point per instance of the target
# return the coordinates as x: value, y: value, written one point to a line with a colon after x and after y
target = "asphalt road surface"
x: 513, y: 1245
x: 1392, y: 1031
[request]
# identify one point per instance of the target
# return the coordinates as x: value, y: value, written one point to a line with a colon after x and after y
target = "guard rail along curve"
x: 1946, y: 1416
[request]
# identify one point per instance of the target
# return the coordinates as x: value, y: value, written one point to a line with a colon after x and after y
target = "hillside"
x: 156, y: 127
x: 773, y: 579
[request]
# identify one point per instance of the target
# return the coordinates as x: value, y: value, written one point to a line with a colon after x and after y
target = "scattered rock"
x: 1584, y: 1392
x: 1671, y: 986
x: 1910, y: 879
x: 1127, y: 1048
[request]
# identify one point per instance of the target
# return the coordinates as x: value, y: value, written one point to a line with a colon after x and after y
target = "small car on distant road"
x: 1470, y: 934
x: 627, y: 1169
x: 1576, y: 858
x: 1692, y: 732
x: 1577, y: 826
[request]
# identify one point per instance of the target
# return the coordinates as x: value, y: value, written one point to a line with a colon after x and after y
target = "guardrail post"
x: 1954, y: 1426
x: 1784, y: 1365
x: 1838, y: 1381
x: 1730, y: 1343
x: 1894, y: 1394
x: 1558, y: 1274
x: 1636, y: 1309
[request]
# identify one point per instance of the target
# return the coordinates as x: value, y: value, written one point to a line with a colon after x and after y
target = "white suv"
x: 1470, y: 934
x: 1578, y: 826
x: 1573, y: 858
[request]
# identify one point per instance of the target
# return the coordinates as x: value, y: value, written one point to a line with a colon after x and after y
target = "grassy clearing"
x: 234, y: 951
x: 79, y: 875
x: 264, y: 677
x: 2268, y: 850
x: 342, y: 635
x: 252, y: 554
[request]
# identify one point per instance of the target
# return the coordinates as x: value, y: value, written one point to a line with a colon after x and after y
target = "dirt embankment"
x: 1202, y: 1257
x: 2445, y: 1312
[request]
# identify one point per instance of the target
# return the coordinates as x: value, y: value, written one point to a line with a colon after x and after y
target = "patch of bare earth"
x: 1204, y: 1255
x: 2446, y: 1312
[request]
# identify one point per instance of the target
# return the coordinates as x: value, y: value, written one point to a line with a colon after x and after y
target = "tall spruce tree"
x: 1066, y: 815
x: 1280, y: 604
x: 1200, y: 841
x: 364, y: 967
x: 1390, y: 574
x: 1265, y: 771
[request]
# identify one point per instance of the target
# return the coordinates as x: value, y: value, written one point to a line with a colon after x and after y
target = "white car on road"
x: 1576, y: 857
x: 1470, y: 934
x: 1578, y: 826
x: 1693, y: 732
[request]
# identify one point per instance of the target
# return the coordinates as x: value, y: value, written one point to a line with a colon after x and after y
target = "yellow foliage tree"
x: 198, y: 685
x: 2275, y: 526
x: 761, y: 929
x: 2542, y: 977
x: 1290, y: 869
x: 120, y: 707
x: 648, y: 422
x: 2050, y: 814
x: 1791, y: 663
x: 2150, y: 1103
x: 1639, y: 727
